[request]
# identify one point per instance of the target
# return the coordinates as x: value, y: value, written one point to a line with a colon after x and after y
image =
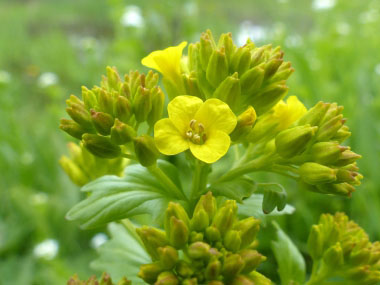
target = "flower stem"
x: 129, y: 156
x: 199, y: 181
x: 166, y: 182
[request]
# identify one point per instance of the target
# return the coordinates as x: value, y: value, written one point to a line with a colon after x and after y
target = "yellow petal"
x: 182, y: 110
x: 289, y: 112
x: 216, y: 146
x: 167, y: 61
x: 168, y: 139
x: 214, y: 114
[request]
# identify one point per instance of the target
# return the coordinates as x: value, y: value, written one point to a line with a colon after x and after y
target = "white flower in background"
x: 98, y: 240
x: 323, y: 4
x: 47, y: 249
x: 343, y: 28
x: 47, y: 79
x: 377, y: 69
x: 248, y: 30
x: 369, y: 16
x: 293, y: 41
x: 132, y: 17
x: 5, y: 77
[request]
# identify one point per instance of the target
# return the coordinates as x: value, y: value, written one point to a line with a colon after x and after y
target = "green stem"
x: 166, y: 182
x: 199, y: 182
x: 319, y: 273
x: 129, y: 156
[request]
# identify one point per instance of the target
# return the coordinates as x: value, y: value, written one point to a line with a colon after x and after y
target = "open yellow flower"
x: 287, y: 113
x: 167, y: 61
x: 204, y: 127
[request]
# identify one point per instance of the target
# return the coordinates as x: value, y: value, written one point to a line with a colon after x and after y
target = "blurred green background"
x: 48, y: 49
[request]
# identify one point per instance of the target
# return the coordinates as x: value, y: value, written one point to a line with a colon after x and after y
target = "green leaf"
x: 113, y: 198
x: 123, y: 254
x: 252, y: 207
x: 274, y: 196
x: 291, y: 264
x: 237, y: 189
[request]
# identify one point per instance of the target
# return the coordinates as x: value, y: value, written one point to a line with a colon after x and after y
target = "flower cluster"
x: 211, y: 247
x: 105, y: 279
x: 339, y: 247
x: 82, y: 166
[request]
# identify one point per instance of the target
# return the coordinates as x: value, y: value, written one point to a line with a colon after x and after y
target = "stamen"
x: 204, y: 137
x: 189, y: 134
x: 192, y: 123
x: 201, y: 128
x: 196, y: 139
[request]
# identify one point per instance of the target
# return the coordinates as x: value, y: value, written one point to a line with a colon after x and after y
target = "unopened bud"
x: 152, y: 239
x: 113, y: 78
x: 245, y: 121
x: 347, y: 157
x: 327, y: 130
x: 248, y: 229
x: 123, y: 109
x: 314, y: 116
x: 241, y: 60
x: 175, y: 210
x: 208, y: 203
x: 150, y: 272
x: 315, y: 242
x: 146, y: 150
x: 122, y: 133
x: 359, y: 257
x: 217, y: 68
x: 272, y: 66
x: 200, y: 220
x: 251, y: 81
x: 101, y: 146
x: 168, y: 257
x: 233, y: 265
x: 315, y: 174
x: 225, y: 216
x: 243, y: 280
x: 151, y: 79
x: 294, y: 141
x: 80, y: 115
x: 229, y: 90
x: 178, y: 233
x: 73, y: 171
x: 72, y: 128
x: 184, y: 269
x: 213, y: 270
x: 269, y: 97
x: 252, y: 259
x: 232, y: 240
x: 105, y: 102
x: 192, y: 281
x: 167, y: 278
x: 158, y: 100
x: 213, y: 234
x: 334, y: 256
x: 142, y: 104
x: 342, y: 189
x: 102, y: 122
x: 199, y: 250
x: 89, y: 98
x: 326, y: 152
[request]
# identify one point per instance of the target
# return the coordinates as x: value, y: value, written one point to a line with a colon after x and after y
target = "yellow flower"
x: 287, y: 113
x: 167, y: 61
x: 204, y: 127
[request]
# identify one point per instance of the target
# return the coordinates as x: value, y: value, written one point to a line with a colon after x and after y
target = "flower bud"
x: 152, y: 239
x: 225, y: 217
x: 217, y: 68
x: 206, y: 48
x: 334, y: 256
x: 72, y: 128
x: 314, y: 116
x: 142, y: 104
x: 146, y: 150
x: 168, y: 257
x: 315, y: 174
x: 326, y: 152
x: 342, y: 189
x: 190, y: 82
x: 229, y: 90
x: 122, y: 133
x: 293, y: 141
x: 233, y: 265
x: 200, y: 220
x: 184, y: 269
x: 150, y: 272
x: 101, y: 146
x: 251, y: 259
x: 213, y: 270
x: 158, y: 100
x: 315, y: 242
x: 105, y: 279
x: 89, y: 98
x: 123, y: 109
x: 125, y: 91
x: 243, y: 280
x: 213, y: 234
x: 232, y: 240
x: 272, y: 66
x: 192, y: 281
x: 113, y: 78
x: 175, y: 210
x: 178, y: 233
x: 102, y: 122
x: 248, y: 229
x: 208, y: 203
x: 347, y: 157
x: 360, y: 257
x: 105, y: 102
x: 346, y: 176
x: 342, y: 134
x: 199, y: 250
x: 251, y: 81
x: 269, y: 97
x: 328, y: 129
x: 241, y: 60
x: 80, y: 115
x: 245, y: 121
x: 151, y: 79
x: 167, y: 278
x: 73, y: 171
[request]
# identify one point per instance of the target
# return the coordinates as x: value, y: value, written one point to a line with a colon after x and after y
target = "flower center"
x: 196, y: 133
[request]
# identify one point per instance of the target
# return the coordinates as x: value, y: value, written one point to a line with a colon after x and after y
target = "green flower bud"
x: 217, y: 68
x: 334, y: 256
x: 342, y: 134
x: 315, y: 115
x: 245, y: 121
x: 167, y: 278
x: 225, y: 217
x: 80, y: 115
x: 105, y: 101
x: 293, y: 141
x: 72, y: 128
x: 199, y: 250
x: 213, y: 270
x: 184, y: 269
x: 206, y: 48
x: 347, y: 157
x: 333, y: 111
x: 142, y: 104
x: 269, y: 97
x: 149, y: 272
x: 252, y: 259
x: 328, y: 129
x: 232, y: 240
x: 233, y: 265
x: 175, y: 210
x: 229, y: 90
x: 227, y: 43
x: 208, y: 203
x: 213, y: 234
x: 315, y: 242
x: 113, y: 78
x: 272, y: 66
x: 248, y: 229
x: 101, y: 146
x: 73, y: 171
x: 342, y: 189
x: 89, y: 98
x: 346, y: 176
x: 152, y: 239
x: 146, y: 150
x: 125, y: 90
x: 258, y: 278
x: 242, y: 280
x: 251, y: 81
x: 283, y: 72
x: 241, y: 60
x: 215, y: 282
x: 124, y: 281
x: 360, y: 257
x: 151, y: 79
x: 168, y: 257
x: 158, y: 101
x: 122, y: 133
x: 373, y: 277
x: 195, y: 236
x: 178, y: 233
x: 191, y: 85
x: 123, y: 109
x: 315, y: 174
x: 105, y: 279
x: 200, y: 220
x: 192, y: 281
x: 102, y: 122
x: 326, y: 152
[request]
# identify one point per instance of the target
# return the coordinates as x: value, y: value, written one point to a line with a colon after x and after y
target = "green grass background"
x: 335, y: 52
